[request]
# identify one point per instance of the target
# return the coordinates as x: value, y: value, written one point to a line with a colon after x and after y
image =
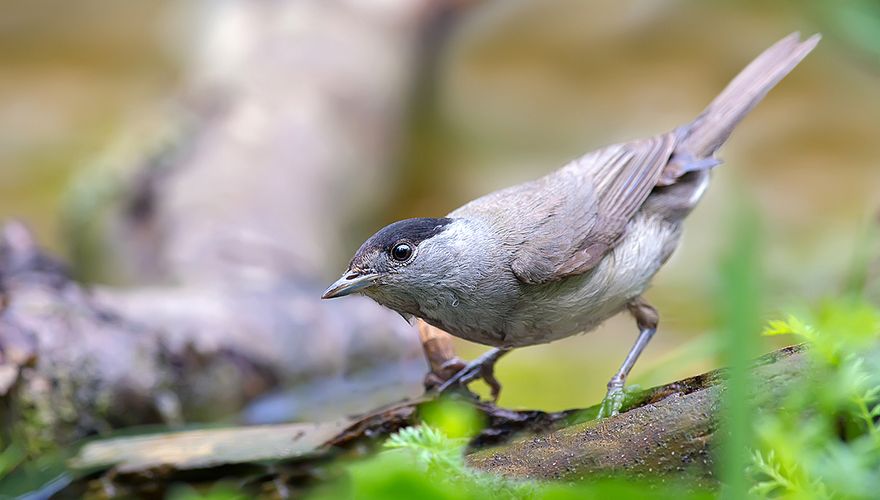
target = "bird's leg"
x: 440, y: 354
x: 482, y: 367
x: 646, y: 318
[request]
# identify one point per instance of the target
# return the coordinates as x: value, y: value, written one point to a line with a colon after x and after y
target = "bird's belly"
x: 579, y: 304
x: 546, y: 320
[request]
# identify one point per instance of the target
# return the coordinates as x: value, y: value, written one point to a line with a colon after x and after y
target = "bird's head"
x: 400, y: 264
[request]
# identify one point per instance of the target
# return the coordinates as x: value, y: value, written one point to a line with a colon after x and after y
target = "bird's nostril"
x: 351, y: 276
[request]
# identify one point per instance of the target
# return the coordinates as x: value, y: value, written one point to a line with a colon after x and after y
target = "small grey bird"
x: 555, y: 257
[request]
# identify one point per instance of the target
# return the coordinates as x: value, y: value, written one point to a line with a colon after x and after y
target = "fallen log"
x: 665, y: 431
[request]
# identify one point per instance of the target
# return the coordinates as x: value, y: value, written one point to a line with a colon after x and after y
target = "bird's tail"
x: 708, y: 132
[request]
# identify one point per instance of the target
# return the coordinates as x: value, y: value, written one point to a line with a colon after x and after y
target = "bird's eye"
x: 401, y: 252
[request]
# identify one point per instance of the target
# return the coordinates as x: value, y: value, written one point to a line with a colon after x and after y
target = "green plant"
x: 824, y: 442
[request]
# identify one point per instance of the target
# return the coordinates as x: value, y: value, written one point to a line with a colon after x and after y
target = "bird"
x: 557, y: 256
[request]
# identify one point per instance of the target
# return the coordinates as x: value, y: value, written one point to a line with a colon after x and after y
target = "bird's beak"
x: 350, y: 282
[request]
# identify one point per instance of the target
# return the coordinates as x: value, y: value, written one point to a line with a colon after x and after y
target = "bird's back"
x: 562, y: 224
x: 548, y: 215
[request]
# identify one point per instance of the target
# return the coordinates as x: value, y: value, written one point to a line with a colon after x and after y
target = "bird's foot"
x: 435, y: 379
x: 482, y: 367
x: 615, y: 398
x: 611, y: 403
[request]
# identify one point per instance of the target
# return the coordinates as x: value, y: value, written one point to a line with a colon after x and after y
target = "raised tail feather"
x: 702, y: 137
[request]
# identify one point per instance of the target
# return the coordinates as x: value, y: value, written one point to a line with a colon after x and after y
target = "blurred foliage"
x: 11, y: 456
x: 825, y: 441
x: 739, y: 303
x: 455, y: 419
x: 22, y: 476
x: 854, y: 22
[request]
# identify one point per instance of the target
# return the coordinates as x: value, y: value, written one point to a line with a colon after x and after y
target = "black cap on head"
x: 413, y: 231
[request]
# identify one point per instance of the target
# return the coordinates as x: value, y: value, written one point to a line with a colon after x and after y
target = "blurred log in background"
x: 226, y: 215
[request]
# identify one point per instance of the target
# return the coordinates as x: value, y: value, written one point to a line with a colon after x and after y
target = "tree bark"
x: 667, y: 430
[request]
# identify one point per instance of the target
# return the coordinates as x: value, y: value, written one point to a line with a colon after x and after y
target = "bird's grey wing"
x: 578, y: 213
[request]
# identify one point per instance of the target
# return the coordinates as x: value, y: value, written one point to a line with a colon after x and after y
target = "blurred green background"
x: 520, y: 88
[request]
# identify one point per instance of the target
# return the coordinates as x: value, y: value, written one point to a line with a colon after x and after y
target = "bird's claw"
x: 482, y: 367
x: 469, y: 374
x: 447, y: 370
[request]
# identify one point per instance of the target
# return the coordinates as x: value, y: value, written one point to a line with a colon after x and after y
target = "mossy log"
x: 667, y: 430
